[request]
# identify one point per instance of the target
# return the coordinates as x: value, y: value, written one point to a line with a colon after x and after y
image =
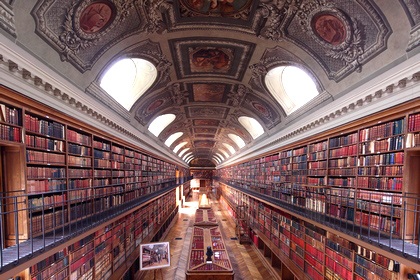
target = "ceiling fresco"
x: 212, y: 56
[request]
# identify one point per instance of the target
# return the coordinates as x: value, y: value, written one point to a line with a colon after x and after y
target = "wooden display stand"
x: 198, y: 269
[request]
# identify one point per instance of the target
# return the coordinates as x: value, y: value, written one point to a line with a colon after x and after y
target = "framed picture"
x: 154, y: 255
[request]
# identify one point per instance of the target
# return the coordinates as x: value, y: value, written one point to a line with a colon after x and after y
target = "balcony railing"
x: 387, y: 220
x: 37, y: 222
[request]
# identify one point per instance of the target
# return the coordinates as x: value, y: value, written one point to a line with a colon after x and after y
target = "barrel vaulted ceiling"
x: 212, y: 56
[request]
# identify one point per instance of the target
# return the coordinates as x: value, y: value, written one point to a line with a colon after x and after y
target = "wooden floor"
x: 247, y: 261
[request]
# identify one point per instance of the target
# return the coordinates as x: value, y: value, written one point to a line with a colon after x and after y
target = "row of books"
x: 381, y: 171
x: 414, y: 122
x: 51, y: 220
x: 45, y: 172
x: 75, y: 136
x: 79, y: 161
x: 79, y: 150
x: 44, y: 143
x: 343, y: 140
x: 344, y: 151
x: 382, y: 223
x: 79, y: 173
x: 10, y: 133
x: 101, y: 154
x: 101, y: 145
x: 318, y: 155
x: 41, y: 186
x: 56, y: 271
x: 313, y: 273
x: 381, y: 131
x: 368, y: 275
x: 342, y: 172
x: 43, y: 157
x: 382, y: 159
x: 36, y: 268
x: 343, y: 162
x: 380, y: 183
x: 47, y: 202
x: 10, y: 114
x: 49, y: 128
x: 383, y: 197
x: 318, y: 146
x: 317, y: 164
x: 380, y: 146
x: 338, y: 268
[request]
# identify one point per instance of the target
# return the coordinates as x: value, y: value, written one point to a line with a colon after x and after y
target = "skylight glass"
x: 179, y: 146
x: 159, y: 124
x: 128, y: 79
x: 183, y: 151
x: 230, y: 148
x: 186, y: 155
x: 220, y: 156
x: 252, y: 125
x: 188, y: 158
x: 224, y: 153
x: 216, y: 159
x: 291, y: 87
x: 172, y: 138
x: 238, y: 140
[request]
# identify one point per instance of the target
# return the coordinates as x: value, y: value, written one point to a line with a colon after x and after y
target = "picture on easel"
x: 154, y: 255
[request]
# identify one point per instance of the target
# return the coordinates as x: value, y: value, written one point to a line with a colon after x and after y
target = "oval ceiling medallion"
x: 329, y: 28
x: 156, y: 104
x: 260, y: 108
x: 95, y: 17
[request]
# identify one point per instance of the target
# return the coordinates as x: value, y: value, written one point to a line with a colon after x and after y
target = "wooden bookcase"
x: 99, y: 255
x: 66, y: 170
x: 301, y: 250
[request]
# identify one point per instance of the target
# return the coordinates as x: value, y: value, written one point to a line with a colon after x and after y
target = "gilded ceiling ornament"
x: 87, y: 22
x: 178, y: 96
x: 340, y: 37
x: 276, y: 12
x: 155, y: 22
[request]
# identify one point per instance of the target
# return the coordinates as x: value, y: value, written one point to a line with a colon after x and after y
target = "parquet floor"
x: 247, y: 263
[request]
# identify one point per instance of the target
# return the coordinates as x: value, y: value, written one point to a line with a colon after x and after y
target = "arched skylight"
x: 179, y: 146
x: 216, y: 159
x: 186, y: 155
x: 224, y: 153
x: 238, y: 140
x: 291, y: 87
x: 128, y: 79
x: 160, y: 123
x: 188, y: 158
x: 230, y: 148
x: 252, y: 125
x: 183, y: 151
x: 172, y: 138
x: 220, y: 156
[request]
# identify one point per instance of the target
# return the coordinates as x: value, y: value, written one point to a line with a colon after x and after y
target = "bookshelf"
x: 104, y: 252
x: 355, y: 176
x: 302, y: 248
x: 64, y: 170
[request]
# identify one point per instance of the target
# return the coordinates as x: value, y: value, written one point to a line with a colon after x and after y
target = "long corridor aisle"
x: 246, y: 262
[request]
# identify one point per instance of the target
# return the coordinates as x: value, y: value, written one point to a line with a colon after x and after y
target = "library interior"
x: 281, y: 143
